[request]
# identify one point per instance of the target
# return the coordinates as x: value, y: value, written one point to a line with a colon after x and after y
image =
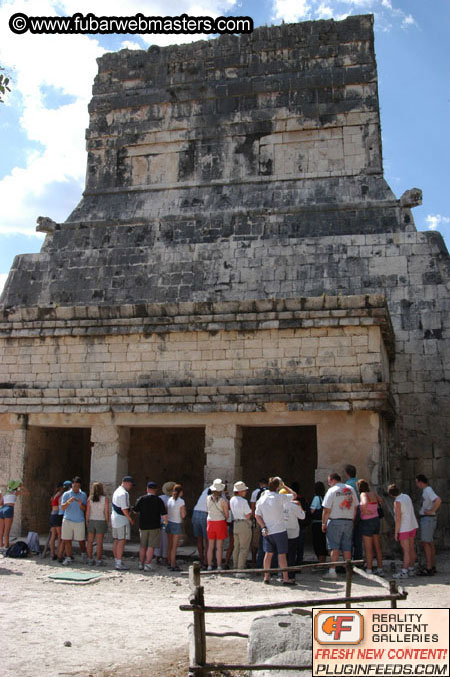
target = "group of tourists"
x: 271, y: 527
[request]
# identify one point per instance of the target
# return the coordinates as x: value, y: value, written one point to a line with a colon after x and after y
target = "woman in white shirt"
x: 405, y: 529
x: 242, y: 526
x: 176, y: 512
x: 15, y: 488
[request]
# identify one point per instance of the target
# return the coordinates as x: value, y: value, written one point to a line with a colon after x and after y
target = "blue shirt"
x: 73, y: 512
x: 352, y: 483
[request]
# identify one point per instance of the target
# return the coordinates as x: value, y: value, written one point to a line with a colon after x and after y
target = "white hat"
x: 217, y: 485
x: 240, y: 486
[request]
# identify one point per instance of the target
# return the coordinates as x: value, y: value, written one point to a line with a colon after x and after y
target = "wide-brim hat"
x: 167, y: 488
x: 217, y: 485
x: 13, y: 485
x: 240, y: 486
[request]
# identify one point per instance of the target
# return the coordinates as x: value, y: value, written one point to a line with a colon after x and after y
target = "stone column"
x: 109, y: 459
x: 223, y: 453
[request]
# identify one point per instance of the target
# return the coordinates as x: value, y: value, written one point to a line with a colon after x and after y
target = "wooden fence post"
x: 348, y: 583
x: 197, y: 644
x: 393, y: 591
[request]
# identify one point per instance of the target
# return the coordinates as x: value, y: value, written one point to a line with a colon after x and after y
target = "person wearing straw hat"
x: 15, y: 488
x: 161, y: 551
x: 217, y: 529
x: 242, y: 526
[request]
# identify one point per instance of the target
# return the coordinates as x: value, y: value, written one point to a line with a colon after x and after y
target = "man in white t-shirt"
x: 339, y: 507
x: 269, y: 514
x: 428, y: 520
x: 121, y: 520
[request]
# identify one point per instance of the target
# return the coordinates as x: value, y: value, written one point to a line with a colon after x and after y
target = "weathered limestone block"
x: 280, y: 638
x: 223, y: 449
x: 109, y: 460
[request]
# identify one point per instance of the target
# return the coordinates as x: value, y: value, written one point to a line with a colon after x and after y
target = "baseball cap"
x: 151, y: 485
x: 128, y: 478
x: 67, y: 483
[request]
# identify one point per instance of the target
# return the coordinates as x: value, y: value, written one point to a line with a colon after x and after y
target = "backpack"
x: 261, y: 491
x: 308, y: 517
x: 18, y: 549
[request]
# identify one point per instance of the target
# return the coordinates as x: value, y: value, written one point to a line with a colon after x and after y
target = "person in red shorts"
x: 216, y: 525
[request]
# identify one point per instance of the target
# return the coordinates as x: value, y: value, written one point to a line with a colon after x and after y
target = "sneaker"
x: 141, y: 566
x: 369, y: 571
x: 210, y: 567
x: 120, y: 566
x: 148, y: 567
x: 99, y: 563
x: 219, y: 569
x: 411, y: 571
x: 84, y: 557
x: 400, y: 574
x: 91, y: 562
x: 67, y: 561
x: 331, y: 575
x: 54, y: 557
x: 380, y: 572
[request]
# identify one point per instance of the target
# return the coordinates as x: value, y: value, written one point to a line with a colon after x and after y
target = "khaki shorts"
x: 73, y: 531
x: 122, y: 533
x: 150, y: 538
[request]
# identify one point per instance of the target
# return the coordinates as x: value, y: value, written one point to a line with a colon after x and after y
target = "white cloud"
x: 434, y: 221
x: 385, y: 12
x: 68, y: 65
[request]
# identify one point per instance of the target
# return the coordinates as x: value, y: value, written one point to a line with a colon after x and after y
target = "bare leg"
x: 52, y: 540
x: 68, y: 548
x: 282, y: 562
x: 173, y: 553
x: 378, y: 553
x: 368, y: 549
x: 210, y: 551
x: 266, y: 564
x: 219, y: 551
x: 2, y: 530
x: 169, y: 548
x: 230, y: 546
x: 99, y: 544
x: 120, y: 547
x: 411, y: 552
x: 149, y: 555
x: 405, y: 549
x: 200, y: 549
x: 8, y: 524
x: 141, y: 554
x: 428, y: 555
x: 90, y: 544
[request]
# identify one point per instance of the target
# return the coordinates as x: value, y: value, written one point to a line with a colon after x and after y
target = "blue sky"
x: 42, y: 123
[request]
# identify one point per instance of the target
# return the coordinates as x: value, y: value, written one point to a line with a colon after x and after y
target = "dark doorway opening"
x: 53, y: 455
x: 289, y: 452
x: 168, y: 454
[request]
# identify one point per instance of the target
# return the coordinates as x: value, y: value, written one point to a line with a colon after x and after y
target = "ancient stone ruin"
x: 239, y: 292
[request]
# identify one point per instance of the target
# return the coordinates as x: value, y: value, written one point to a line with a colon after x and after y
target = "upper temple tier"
x: 198, y: 151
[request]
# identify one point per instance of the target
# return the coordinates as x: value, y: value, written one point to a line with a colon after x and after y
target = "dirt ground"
x: 129, y: 623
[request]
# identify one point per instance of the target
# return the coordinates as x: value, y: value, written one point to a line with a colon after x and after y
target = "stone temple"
x: 238, y: 293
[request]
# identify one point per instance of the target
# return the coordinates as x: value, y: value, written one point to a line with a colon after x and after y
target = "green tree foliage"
x: 4, y: 82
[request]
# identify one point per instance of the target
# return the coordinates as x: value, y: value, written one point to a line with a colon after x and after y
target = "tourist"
x: 357, y: 542
x: 199, y: 524
x: 428, y: 519
x: 303, y: 523
x: 97, y: 519
x: 15, y: 488
x: 56, y: 519
x: 369, y: 502
x: 161, y: 550
x: 230, y: 549
x: 405, y: 529
x: 151, y: 511
x: 176, y: 511
x: 293, y: 512
x: 319, y: 540
x: 67, y: 485
x: 242, y: 526
x: 339, y: 507
x: 73, y: 527
x: 257, y: 539
x: 217, y: 529
x: 121, y: 520
x: 270, y: 517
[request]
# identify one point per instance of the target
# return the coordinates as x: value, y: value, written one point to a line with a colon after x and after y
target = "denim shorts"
x: 7, y: 511
x: 427, y: 528
x: 199, y: 518
x: 174, y: 528
x: 339, y: 535
x: 276, y: 543
x: 370, y: 527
